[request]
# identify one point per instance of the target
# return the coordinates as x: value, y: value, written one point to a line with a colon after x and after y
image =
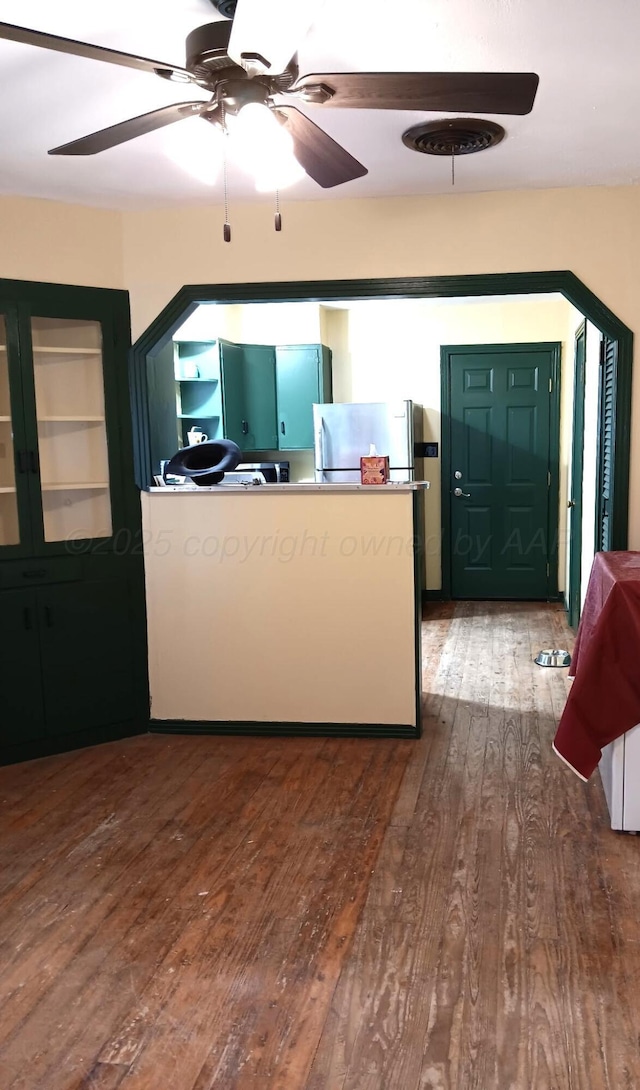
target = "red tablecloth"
x: 604, y: 700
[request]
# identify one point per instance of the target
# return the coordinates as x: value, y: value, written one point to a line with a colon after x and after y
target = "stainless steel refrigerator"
x: 345, y: 431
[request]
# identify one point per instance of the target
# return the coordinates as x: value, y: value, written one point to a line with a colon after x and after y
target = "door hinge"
x: 548, y: 478
x: 548, y: 570
x: 550, y: 385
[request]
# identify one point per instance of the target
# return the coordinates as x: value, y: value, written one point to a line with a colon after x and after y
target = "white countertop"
x: 391, y: 486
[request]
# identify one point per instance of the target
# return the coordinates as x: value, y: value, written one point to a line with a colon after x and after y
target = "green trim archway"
x: 430, y: 287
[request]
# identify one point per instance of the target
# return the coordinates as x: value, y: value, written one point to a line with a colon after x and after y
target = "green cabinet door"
x: 232, y: 379
x: 88, y: 655
x: 303, y: 378
x: 249, y: 395
x: 17, y: 499
x: 21, y: 717
x: 259, y: 366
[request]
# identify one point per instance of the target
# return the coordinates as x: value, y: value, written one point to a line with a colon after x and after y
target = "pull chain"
x: 226, y: 230
x: 278, y: 217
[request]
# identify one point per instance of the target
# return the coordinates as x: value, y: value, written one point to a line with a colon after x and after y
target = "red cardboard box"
x: 374, y: 469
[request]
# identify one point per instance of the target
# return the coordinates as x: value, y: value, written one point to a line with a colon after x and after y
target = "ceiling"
x: 582, y: 130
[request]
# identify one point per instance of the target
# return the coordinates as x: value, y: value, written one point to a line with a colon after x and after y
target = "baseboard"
x: 433, y: 596
x: 299, y: 730
x: 48, y: 747
x: 440, y: 596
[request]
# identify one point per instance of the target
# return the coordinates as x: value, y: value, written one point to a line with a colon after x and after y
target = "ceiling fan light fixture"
x: 197, y: 150
x: 263, y: 148
x: 281, y: 175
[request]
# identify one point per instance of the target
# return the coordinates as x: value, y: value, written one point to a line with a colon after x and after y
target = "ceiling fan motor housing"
x: 207, y: 58
x: 225, y: 7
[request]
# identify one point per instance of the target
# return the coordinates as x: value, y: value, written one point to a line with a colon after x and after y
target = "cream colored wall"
x: 304, y: 606
x: 594, y: 232
x: 254, y: 323
x: 60, y: 243
x: 334, y: 329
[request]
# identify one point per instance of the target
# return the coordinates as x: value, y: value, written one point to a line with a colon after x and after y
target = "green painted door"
x: 502, y: 470
x: 87, y: 653
x: 575, y: 494
x: 298, y: 380
x: 259, y: 368
x: 22, y: 718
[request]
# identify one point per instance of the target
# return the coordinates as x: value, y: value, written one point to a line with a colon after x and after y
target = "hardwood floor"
x: 188, y: 913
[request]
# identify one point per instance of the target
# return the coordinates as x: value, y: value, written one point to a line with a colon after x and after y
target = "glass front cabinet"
x: 60, y: 470
x: 71, y: 579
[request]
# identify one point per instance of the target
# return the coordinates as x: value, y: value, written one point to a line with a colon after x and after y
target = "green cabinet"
x: 61, y: 472
x: 259, y: 396
x: 22, y: 718
x: 69, y: 666
x: 70, y: 532
x: 86, y: 648
x: 303, y: 378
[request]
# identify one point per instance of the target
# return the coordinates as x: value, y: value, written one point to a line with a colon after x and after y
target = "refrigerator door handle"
x: 319, y: 474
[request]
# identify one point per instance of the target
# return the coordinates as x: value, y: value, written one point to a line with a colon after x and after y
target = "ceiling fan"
x: 251, y: 61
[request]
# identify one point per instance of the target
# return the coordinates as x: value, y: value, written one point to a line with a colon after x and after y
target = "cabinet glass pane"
x: 72, y: 436
x: 9, y: 529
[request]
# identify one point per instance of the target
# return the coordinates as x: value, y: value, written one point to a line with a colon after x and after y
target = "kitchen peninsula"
x: 289, y: 608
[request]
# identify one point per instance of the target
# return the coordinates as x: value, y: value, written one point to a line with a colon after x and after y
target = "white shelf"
x: 75, y: 487
x: 54, y: 351
x: 5, y: 419
x: 68, y: 419
x: 6, y: 488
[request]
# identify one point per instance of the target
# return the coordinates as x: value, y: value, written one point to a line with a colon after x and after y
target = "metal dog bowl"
x: 553, y: 657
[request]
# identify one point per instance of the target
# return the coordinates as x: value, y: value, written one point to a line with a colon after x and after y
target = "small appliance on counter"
x: 246, y: 473
x: 259, y: 473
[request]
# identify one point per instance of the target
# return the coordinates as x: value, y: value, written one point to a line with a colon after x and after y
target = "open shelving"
x: 72, y: 438
x: 198, y: 395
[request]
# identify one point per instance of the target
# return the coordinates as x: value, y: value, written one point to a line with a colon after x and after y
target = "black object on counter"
x: 206, y: 463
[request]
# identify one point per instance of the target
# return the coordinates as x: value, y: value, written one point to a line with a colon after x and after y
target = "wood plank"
x: 329, y: 914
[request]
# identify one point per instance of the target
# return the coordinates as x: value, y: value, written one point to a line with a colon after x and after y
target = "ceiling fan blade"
x: 266, y: 33
x: 128, y: 130
x: 92, y: 52
x: 467, y: 92
x: 324, y: 160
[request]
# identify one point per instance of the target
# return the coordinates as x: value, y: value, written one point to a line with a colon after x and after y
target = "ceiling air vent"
x: 453, y: 136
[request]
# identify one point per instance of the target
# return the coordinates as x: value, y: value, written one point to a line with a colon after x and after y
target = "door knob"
x: 458, y: 475
x: 459, y: 492
x: 571, y: 503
